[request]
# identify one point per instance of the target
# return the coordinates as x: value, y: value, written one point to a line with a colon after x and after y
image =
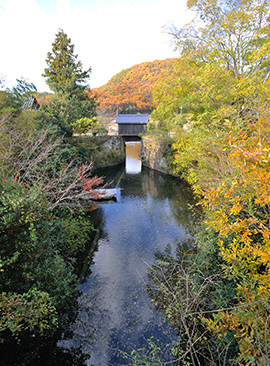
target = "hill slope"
x: 131, y: 89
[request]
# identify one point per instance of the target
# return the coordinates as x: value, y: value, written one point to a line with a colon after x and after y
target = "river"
x: 115, y: 314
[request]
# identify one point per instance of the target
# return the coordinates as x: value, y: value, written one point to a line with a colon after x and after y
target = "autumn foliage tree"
x: 223, y: 68
x: 239, y: 209
x: 216, y: 103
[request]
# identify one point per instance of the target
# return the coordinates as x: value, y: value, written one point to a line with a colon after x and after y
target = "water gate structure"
x: 130, y: 126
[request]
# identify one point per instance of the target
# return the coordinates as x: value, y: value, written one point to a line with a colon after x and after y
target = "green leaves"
x: 40, y: 238
x: 32, y: 311
x: 36, y: 250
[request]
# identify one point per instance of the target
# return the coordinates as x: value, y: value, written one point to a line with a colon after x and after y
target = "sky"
x: 108, y: 35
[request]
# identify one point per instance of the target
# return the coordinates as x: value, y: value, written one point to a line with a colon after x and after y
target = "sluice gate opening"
x: 133, y: 162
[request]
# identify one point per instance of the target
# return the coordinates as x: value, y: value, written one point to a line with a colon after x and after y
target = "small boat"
x: 102, y: 194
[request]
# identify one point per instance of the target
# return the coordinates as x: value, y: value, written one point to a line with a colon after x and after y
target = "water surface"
x: 115, y: 314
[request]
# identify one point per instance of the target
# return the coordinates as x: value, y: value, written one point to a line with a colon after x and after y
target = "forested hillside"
x: 131, y: 89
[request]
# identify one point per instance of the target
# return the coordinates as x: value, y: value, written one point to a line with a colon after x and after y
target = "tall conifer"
x: 64, y: 73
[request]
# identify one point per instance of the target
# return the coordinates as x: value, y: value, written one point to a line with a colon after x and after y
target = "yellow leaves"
x: 84, y: 125
x: 233, y: 107
x: 239, y: 210
x: 221, y: 323
x: 236, y: 208
x: 191, y: 3
x: 246, y: 321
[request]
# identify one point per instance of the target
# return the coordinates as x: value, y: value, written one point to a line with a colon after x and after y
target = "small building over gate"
x: 131, y: 125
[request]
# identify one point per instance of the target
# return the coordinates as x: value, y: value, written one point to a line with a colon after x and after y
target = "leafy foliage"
x: 42, y: 225
x: 216, y: 84
x: 217, y: 106
x: 27, y: 249
x: 85, y: 125
x: 64, y: 110
x: 244, y: 215
x: 39, y: 241
x: 31, y: 311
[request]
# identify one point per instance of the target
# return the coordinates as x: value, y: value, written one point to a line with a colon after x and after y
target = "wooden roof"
x: 132, y: 118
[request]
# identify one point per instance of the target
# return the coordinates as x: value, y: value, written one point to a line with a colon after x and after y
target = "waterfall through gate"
x: 133, y: 160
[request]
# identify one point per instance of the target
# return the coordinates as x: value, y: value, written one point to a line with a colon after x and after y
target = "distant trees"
x: 131, y: 90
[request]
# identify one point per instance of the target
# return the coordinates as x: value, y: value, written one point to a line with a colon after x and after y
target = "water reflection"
x: 133, y: 161
x: 115, y: 313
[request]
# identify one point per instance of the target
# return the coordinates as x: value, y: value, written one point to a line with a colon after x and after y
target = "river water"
x: 115, y: 314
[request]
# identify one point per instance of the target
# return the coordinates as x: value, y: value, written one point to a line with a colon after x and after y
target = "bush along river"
x: 115, y: 314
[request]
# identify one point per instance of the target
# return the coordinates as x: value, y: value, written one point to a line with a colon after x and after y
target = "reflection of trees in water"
x: 111, y: 175
x: 150, y: 182
x: 159, y: 186
x: 180, y: 195
x: 91, y: 323
x: 184, y: 208
x: 36, y: 351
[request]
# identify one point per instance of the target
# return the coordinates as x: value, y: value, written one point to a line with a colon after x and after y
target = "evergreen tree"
x: 65, y: 77
x: 64, y: 73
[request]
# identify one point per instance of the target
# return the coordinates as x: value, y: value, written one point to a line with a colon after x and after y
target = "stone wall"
x: 110, y: 150
x: 156, y: 153
x: 103, y: 150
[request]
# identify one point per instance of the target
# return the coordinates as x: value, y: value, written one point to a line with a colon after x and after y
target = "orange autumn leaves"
x: 88, y: 182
